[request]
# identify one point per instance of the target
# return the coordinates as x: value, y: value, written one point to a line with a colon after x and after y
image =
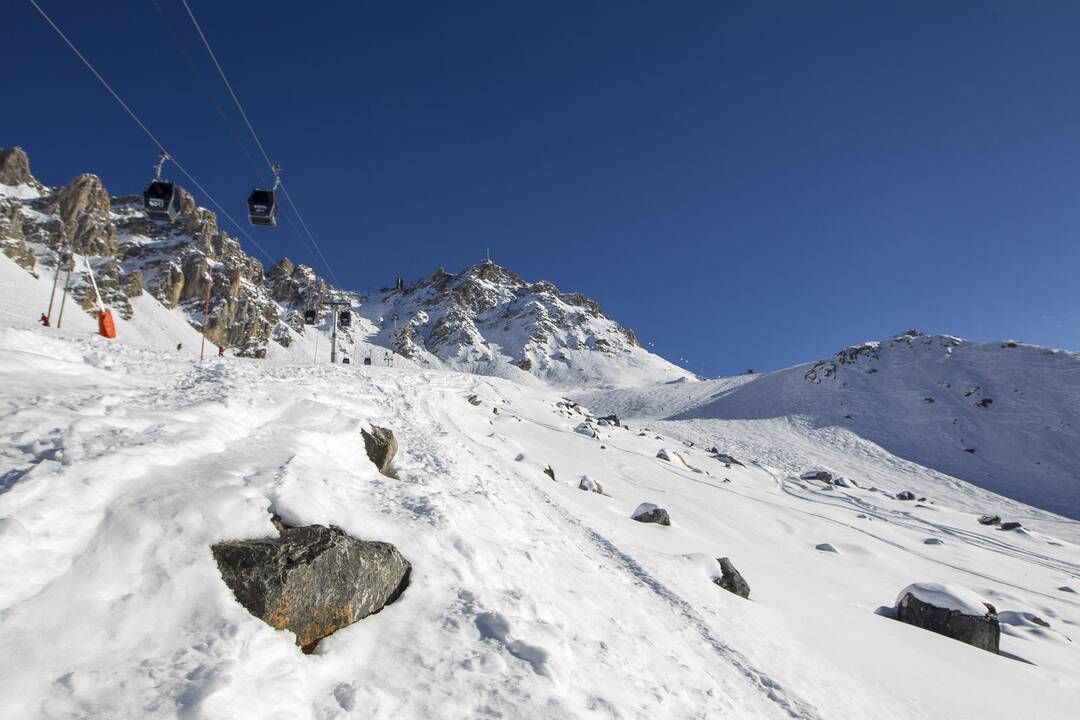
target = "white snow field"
x: 122, y: 462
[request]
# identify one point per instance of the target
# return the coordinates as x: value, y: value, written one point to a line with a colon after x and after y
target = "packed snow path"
x: 529, y: 597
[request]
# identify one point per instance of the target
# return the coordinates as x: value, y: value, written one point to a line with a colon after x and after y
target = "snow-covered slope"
x: 487, y: 320
x: 529, y: 598
x: 1004, y: 416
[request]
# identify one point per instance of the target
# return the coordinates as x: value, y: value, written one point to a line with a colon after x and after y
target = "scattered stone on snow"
x: 905, y: 495
x: 312, y: 580
x: 473, y: 400
x: 663, y: 454
x: 1010, y: 526
x: 952, y: 611
x: 381, y: 447
x: 649, y: 513
x: 933, y: 541
x: 550, y: 472
x: 731, y: 580
x: 612, y: 419
x: 990, y: 520
x: 587, y: 483
x: 821, y: 475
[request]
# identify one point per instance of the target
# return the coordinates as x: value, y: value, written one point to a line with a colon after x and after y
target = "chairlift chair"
x: 161, y: 200
x: 262, y: 204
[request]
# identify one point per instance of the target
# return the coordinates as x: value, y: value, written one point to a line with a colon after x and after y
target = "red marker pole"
x: 206, y: 317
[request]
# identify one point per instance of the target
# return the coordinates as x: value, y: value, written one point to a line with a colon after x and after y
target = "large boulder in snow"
x: 950, y: 610
x: 312, y: 580
x: 380, y: 446
x: 820, y: 475
x: 662, y: 453
x: 649, y: 513
x: 731, y: 580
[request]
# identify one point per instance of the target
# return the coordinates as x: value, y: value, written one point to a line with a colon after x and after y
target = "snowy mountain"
x: 1004, y: 415
x: 489, y: 321
x: 485, y: 319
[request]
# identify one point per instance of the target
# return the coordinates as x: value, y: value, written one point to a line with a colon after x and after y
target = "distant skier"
x: 220, y: 351
x: 44, y: 320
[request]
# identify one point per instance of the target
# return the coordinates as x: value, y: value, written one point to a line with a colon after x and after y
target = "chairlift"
x: 262, y: 204
x: 345, y: 318
x: 309, y: 317
x: 161, y: 200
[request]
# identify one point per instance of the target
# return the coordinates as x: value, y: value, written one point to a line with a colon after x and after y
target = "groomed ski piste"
x: 123, y: 461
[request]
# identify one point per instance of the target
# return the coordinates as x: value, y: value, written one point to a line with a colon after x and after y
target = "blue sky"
x: 744, y: 184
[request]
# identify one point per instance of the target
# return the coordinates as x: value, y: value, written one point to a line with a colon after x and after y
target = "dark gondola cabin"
x: 161, y: 200
x: 345, y: 318
x: 262, y: 208
x: 309, y: 317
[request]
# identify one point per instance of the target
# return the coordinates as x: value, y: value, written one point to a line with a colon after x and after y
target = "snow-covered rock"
x: 950, y: 610
x: 650, y: 513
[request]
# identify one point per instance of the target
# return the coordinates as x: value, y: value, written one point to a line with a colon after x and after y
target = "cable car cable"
x: 146, y: 130
x: 258, y: 142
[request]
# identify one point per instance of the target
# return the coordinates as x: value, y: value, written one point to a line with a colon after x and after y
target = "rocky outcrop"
x: 83, y: 209
x: 649, y: 513
x: 381, y: 447
x: 15, y: 169
x: 731, y: 580
x: 312, y: 580
x: 905, y: 495
x: 990, y: 520
x: 820, y: 475
x: 973, y: 621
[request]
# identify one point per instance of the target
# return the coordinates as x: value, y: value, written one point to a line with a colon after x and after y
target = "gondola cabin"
x: 262, y: 208
x: 309, y: 317
x: 345, y: 318
x: 161, y: 200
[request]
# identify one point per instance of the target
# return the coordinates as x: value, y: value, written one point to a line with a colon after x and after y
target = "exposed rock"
x: 473, y: 400
x: 587, y: 483
x: 586, y: 429
x: 933, y: 541
x: 821, y: 475
x: 550, y: 472
x: 731, y: 580
x: 905, y: 495
x: 312, y: 580
x: 381, y: 446
x: 843, y: 482
x: 1010, y: 526
x: 826, y: 547
x: 725, y: 458
x: 990, y: 520
x: 663, y: 454
x: 15, y: 169
x: 649, y: 513
x: 612, y: 419
x: 960, y: 621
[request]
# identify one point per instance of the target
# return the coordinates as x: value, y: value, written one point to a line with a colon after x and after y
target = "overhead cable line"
x: 146, y: 130
x: 262, y: 149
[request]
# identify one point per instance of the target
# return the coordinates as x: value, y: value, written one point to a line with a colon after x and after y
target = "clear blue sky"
x: 745, y: 184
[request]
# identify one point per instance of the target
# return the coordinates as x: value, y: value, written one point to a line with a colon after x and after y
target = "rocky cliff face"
x: 43, y: 227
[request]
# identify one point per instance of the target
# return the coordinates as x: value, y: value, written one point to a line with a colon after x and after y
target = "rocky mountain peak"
x: 15, y: 169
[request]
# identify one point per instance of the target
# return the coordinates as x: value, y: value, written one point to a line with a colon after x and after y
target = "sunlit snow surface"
x: 122, y: 462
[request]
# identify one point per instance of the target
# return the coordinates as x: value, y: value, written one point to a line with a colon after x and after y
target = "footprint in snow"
x: 494, y: 626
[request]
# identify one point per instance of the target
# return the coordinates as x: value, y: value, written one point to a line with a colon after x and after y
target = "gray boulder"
x: 820, y: 475
x: 550, y: 472
x: 990, y: 520
x: 312, y: 580
x: 662, y: 453
x: 381, y: 447
x: 1010, y: 526
x: 731, y: 580
x: 974, y: 623
x: 649, y: 513
x: 905, y: 495
x: 612, y: 419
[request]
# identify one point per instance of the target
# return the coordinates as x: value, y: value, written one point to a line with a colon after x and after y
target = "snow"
x: 121, y: 462
x: 949, y: 597
x: 19, y: 192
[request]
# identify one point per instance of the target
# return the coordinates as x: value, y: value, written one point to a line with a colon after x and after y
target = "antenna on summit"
x: 487, y: 255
